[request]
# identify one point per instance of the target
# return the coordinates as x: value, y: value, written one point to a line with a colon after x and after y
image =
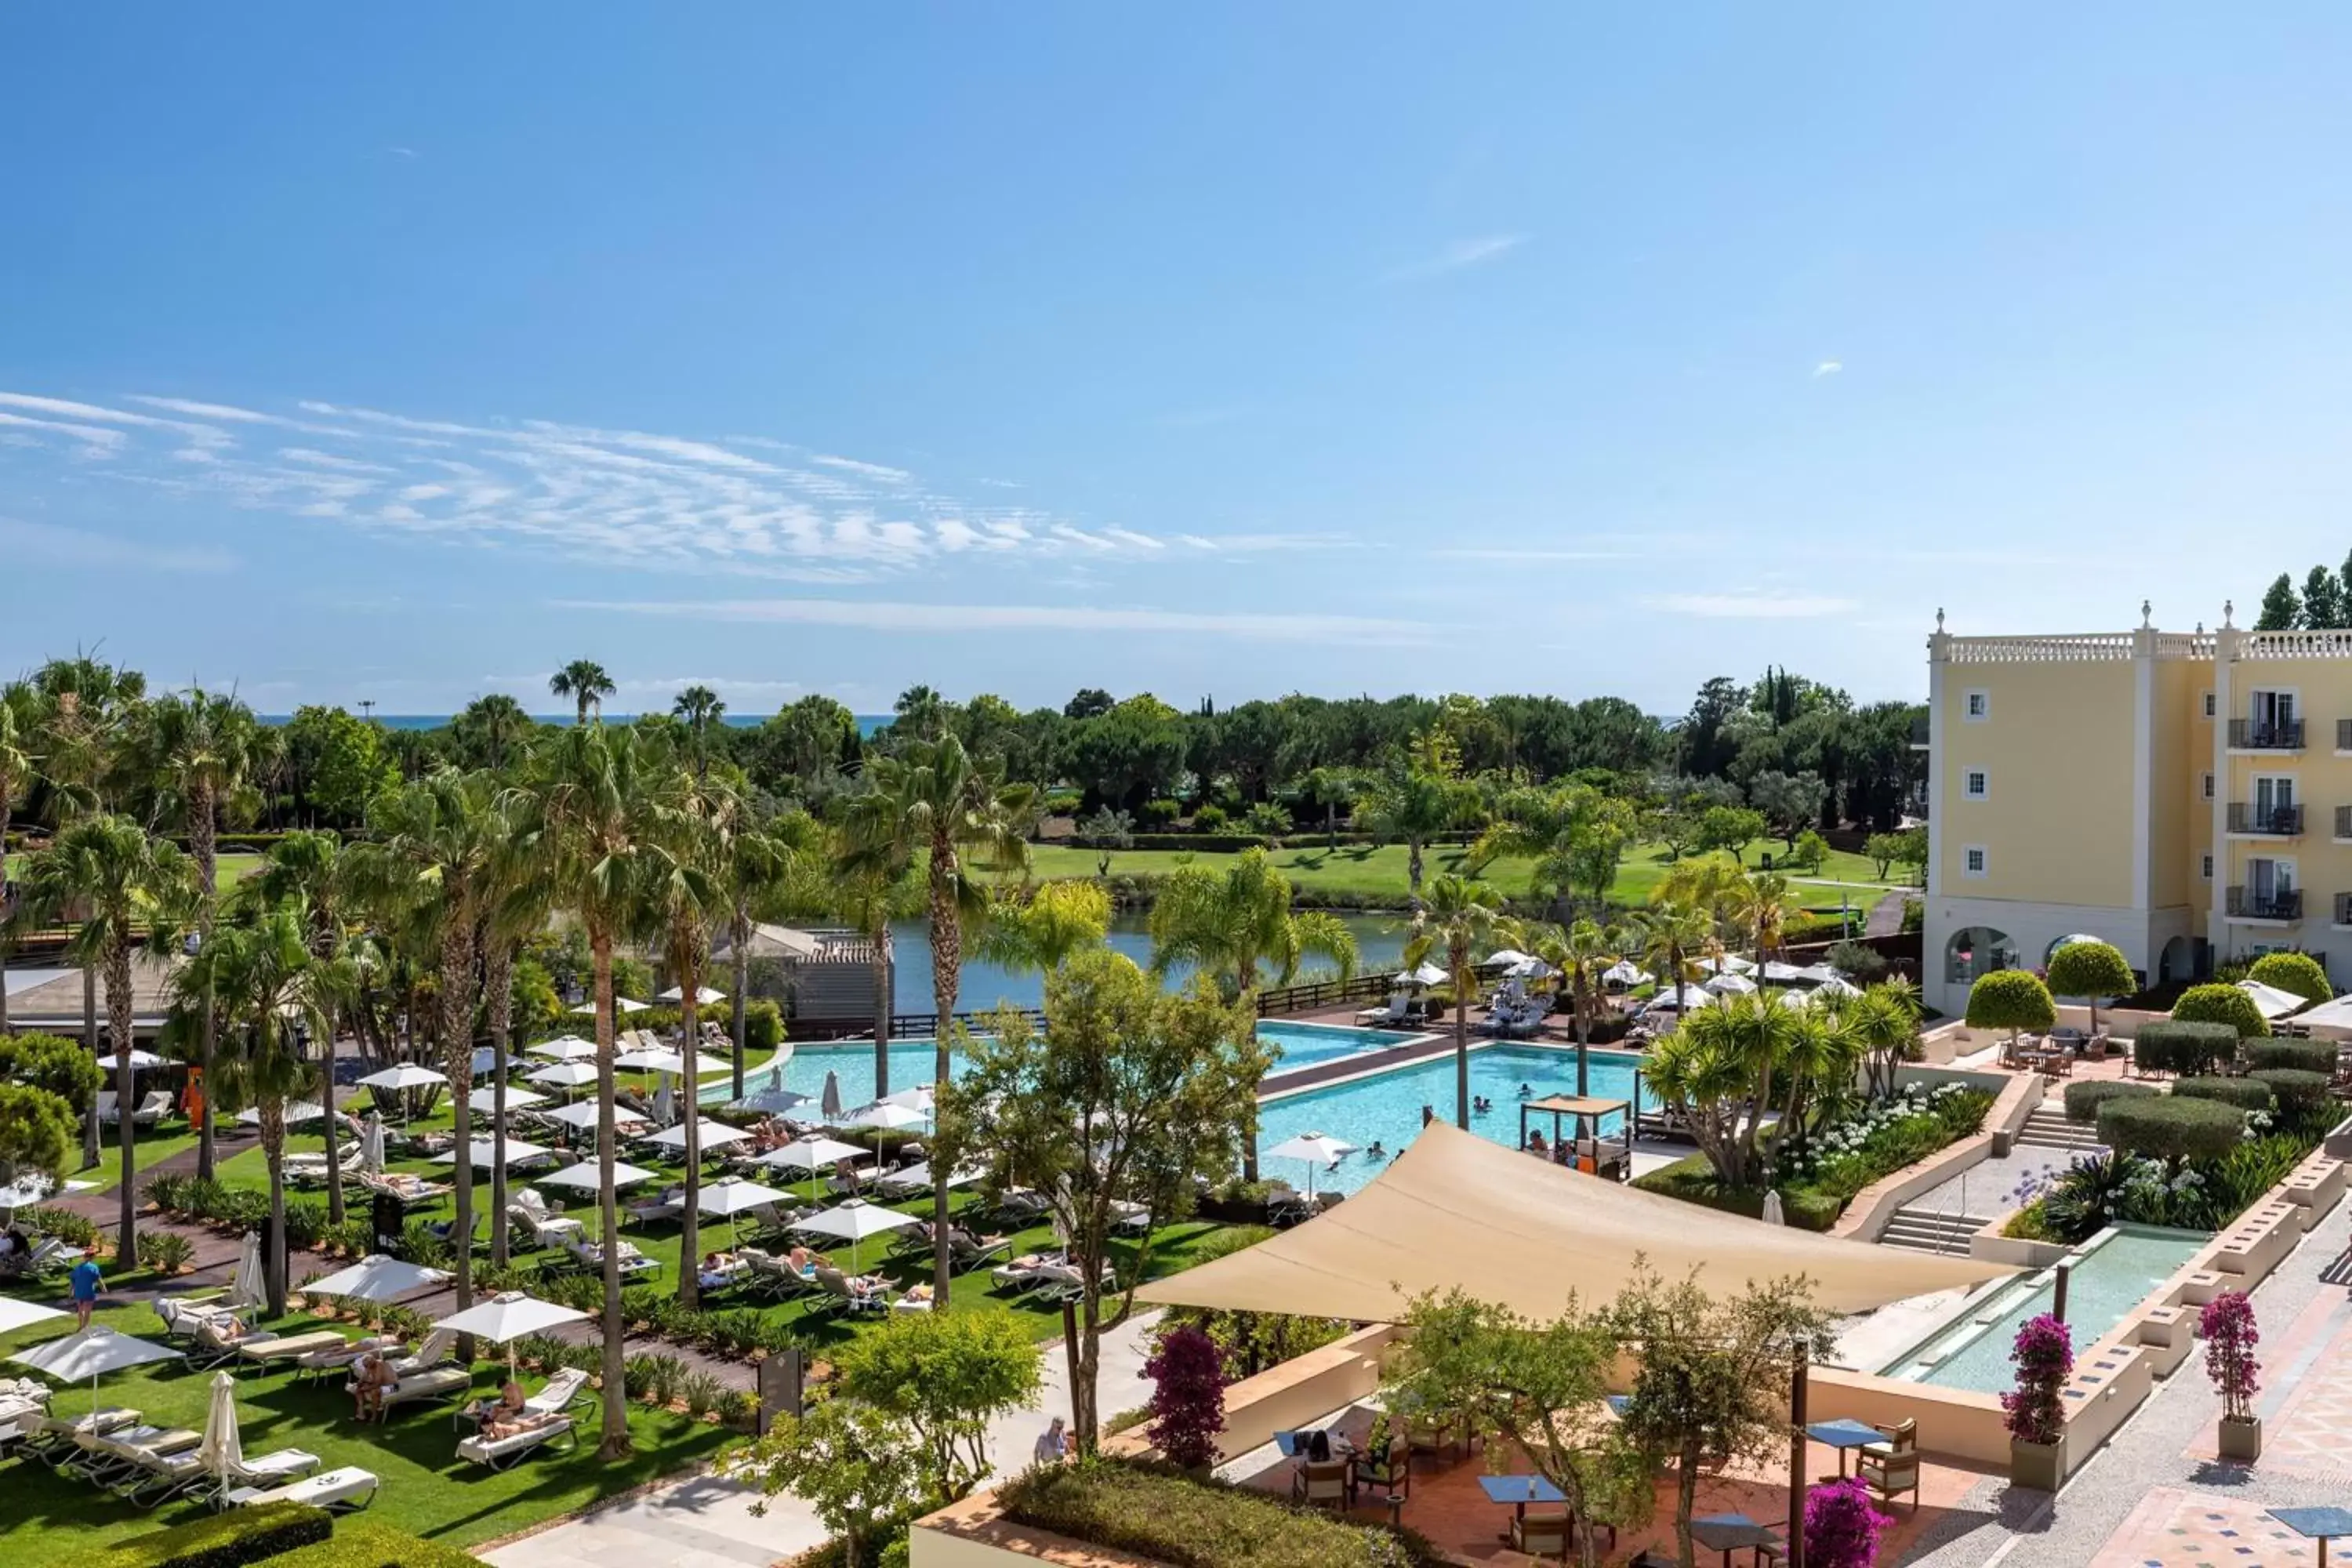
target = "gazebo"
x: 1583, y: 1149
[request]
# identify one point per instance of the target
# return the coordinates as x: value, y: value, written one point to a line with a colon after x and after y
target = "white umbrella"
x: 704, y: 995
x: 1818, y: 973
x: 620, y: 1005
x: 1504, y: 958
x: 890, y: 1118
x: 139, y: 1060
x: 1530, y: 969
x: 406, y: 1074
x: 1792, y: 998
x: 484, y: 1153
x: 1779, y: 974
x: 2270, y: 1001
x: 372, y: 1143
x: 296, y: 1113
x: 375, y: 1278
x: 28, y: 1189
x: 665, y: 1102
x: 1835, y: 986
x: 584, y: 1116
x: 2071, y: 940
x: 1624, y: 972
x: 1318, y: 1149
x: 1729, y: 963
x: 729, y: 1196
x: 91, y: 1353
x: 223, y: 1451
x: 1772, y: 1215
x: 1427, y: 975
x: 15, y: 1314
x: 2336, y: 1014
x: 1692, y: 998
x: 585, y: 1176
x: 812, y: 1151
x: 247, y: 1288
x: 917, y: 1178
x: 650, y: 1059
x: 508, y: 1316
x: 919, y: 1098
x: 1732, y: 985
x: 710, y: 1134
x: 566, y: 1074
x: 855, y: 1220
x: 486, y: 1100
x: 771, y: 1097
x: 829, y: 1103
x: 563, y: 1048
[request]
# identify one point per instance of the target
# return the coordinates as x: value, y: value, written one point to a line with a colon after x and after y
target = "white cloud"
x: 906, y: 618
x: 1827, y: 367
x: 869, y: 471
x: 95, y: 440
x: 1462, y: 253
x: 330, y: 460
x: 1752, y: 606
x: 71, y: 547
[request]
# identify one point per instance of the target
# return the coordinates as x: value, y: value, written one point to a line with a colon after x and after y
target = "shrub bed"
x: 2219, y: 1004
x: 2242, y: 1093
x: 2171, y: 1127
x: 2296, y: 971
x: 224, y: 1540
x: 1694, y: 1181
x: 2084, y: 1099
x: 2184, y: 1046
x: 1163, y: 1514
x: 2302, y: 1056
x: 2299, y: 1094
x: 369, y: 1543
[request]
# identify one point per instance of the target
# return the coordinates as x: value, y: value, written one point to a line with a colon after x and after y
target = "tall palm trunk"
x: 119, y: 1026
x: 1461, y: 961
x: 497, y: 981
x: 884, y: 958
x: 7, y: 786
x: 273, y: 1152
x: 947, y: 965
x: 203, y: 846
x: 615, y: 1443
x: 689, y: 1235
x: 327, y: 1104
x: 89, y: 1039
x: 739, y: 941
x: 457, y: 1066
x: 1583, y: 1006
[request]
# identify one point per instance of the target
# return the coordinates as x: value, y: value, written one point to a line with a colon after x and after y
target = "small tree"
x: 1843, y: 1526
x: 1790, y: 801
x: 1811, y: 851
x: 2092, y: 970
x: 65, y: 1068
x: 1541, y: 1388
x: 2228, y: 1324
x: 945, y: 1375
x: 1914, y: 852
x: 2296, y: 971
x: 2219, y: 1004
x: 857, y: 1466
x: 1110, y: 829
x: 2044, y: 1357
x: 1731, y: 828
x: 36, y: 1134
x: 1883, y: 850
x: 2010, y: 999
x: 1188, y: 1397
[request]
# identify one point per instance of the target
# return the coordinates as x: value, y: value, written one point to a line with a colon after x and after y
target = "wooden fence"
x: 1317, y: 994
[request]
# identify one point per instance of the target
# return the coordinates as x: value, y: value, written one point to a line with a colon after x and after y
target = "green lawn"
x: 150, y: 1147
x: 1379, y: 873
x: 426, y: 1490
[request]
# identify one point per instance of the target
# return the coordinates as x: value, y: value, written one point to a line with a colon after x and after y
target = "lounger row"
x: 147, y: 1464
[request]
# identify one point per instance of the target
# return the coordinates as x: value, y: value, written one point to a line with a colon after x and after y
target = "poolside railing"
x: 1317, y: 994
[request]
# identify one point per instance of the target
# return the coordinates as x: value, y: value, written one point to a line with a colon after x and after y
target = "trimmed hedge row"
x: 1158, y: 1512
x: 2084, y: 1098
x: 224, y: 1540
x: 366, y: 1543
x: 2302, y: 1056
x: 2242, y: 1093
x: 2185, y: 1047
x: 2298, y: 1093
x: 2171, y: 1127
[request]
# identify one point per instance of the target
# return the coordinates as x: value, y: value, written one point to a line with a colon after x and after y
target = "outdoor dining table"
x: 2320, y: 1524
x: 1843, y: 1435
x: 1730, y: 1532
x: 1520, y: 1490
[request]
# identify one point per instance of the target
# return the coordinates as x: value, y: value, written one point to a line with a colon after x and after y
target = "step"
x: 1940, y: 1247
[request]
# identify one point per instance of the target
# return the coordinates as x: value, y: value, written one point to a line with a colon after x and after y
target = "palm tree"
x: 1672, y: 938
x: 1411, y: 804
x: 131, y: 889
x: 582, y: 819
x: 1764, y: 905
x: 19, y: 725
x: 493, y: 732
x: 427, y: 866
x: 585, y: 681
x: 1332, y: 788
x: 700, y: 707
x: 1460, y: 917
x: 1581, y: 952
x: 196, y: 750
x: 870, y: 893
x: 1237, y: 922
x: 758, y: 864
x: 304, y: 873
x: 1040, y: 933
x: 935, y: 798
x: 511, y: 908
x: 682, y: 898
x: 923, y: 713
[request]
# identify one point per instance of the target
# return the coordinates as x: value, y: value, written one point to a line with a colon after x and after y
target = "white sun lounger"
x: 348, y: 1488
x: 498, y: 1453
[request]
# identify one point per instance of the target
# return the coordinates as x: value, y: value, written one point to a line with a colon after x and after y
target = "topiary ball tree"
x: 2296, y: 971
x: 2092, y: 970
x: 2010, y: 999
x: 2172, y: 1128
x: 2218, y: 1004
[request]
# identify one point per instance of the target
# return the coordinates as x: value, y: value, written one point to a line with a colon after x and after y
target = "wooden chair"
x: 1428, y: 1434
x: 1389, y: 1475
x: 1320, y: 1484
x: 1541, y: 1534
x: 1891, y: 1468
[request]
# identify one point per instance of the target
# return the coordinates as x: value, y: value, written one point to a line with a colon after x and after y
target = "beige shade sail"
x: 1455, y: 1209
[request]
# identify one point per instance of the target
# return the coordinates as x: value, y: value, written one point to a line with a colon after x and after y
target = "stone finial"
x: 1939, y: 617
x: 2200, y: 628
x: 2228, y: 609
x: 2145, y: 609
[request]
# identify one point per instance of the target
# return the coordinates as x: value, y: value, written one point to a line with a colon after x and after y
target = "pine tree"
x: 2323, y: 603
x: 2281, y: 609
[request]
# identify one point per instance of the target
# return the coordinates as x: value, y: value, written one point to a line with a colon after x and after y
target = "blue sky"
x: 1222, y: 350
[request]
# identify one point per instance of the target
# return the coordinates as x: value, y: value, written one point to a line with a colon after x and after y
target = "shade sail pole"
x: 1797, y: 1456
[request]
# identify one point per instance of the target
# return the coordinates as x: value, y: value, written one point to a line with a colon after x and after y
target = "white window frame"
x: 1978, y: 774
x: 1983, y: 860
x: 2254, y: 786
x: 1976, y: 705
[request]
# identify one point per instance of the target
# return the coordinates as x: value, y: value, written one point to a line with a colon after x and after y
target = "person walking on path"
x: 87, y: 1282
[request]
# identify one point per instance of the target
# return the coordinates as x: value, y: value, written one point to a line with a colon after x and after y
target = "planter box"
x: 2242, y: 1440
x: 2040, y: 1466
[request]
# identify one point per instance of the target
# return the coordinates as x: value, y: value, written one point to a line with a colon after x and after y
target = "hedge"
x: 1693, y: 1180
x: 2219, y: 1004
x: 2296, y: 971
x: 2242, y: 1093
x: 224, y: 1540
x: 368, y: 1543
x: 2186, y: 1048
x: 1157, y: 1512
x: 2302, y: 1056
x: 2084, y: 1098
x: 2298, y: 1092
x: 2171, y: 1127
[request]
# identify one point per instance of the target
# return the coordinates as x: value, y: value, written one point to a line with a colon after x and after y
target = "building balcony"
x: 2277, y: 907
x: 2343, y: 911
x: 2267, y: 736
x: 2249, y: 819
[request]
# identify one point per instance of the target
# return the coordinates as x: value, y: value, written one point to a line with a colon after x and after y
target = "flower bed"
x: 1159, y: 1513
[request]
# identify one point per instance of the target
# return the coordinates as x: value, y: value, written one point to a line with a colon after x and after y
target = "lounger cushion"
x: 345, y: 1484
x: 311, y: 1343
x: 432, y: 1384
x: 490, y: 1450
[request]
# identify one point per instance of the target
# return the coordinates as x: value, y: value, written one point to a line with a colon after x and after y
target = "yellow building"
x: 2173, y: 793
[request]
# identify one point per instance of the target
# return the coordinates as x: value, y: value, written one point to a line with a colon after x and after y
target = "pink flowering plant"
x: 1188, y: 1397
x: 2230, y: 1341
x: 1843, y: 1526
x: 2045, y: 1358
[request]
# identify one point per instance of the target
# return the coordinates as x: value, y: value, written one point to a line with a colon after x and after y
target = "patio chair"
x: 337, y: 1491
x: 104, y: 1458
x: 555, y: 1396
x: 1389, y: 1475
x: 1541, y: 1534
x: 1388, y: 1015
x: 498, y: 1453
x: 1891, y: 1468
x: 1321, y: 1483
x: 152, y: 1108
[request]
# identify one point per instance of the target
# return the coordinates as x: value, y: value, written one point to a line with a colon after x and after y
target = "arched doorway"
x: 1976, y: 951
x: 2177, y: 961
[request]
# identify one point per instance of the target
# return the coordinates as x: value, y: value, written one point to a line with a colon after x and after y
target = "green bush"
x: 2302, y: 1056
x: 2170, y: 1127
x: 2298, y: 1093
x: 165, y: 1251
x: 2084, y: 1099
x: 2242, y: 1093
x: 224, y: 1540
x: 306, y: 1221
x: 2190, y: 1049
x: 2091, y: 969
x: 369, y: 1543
x: 63, y: 1224
x: 2010, y: 999
x: 1164, y: 1515
x: 2296, y: 971
x: 54, y: 1063
x: 2218, y: 1004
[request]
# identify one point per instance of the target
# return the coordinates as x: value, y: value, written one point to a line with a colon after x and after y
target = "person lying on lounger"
x: 505, y: 1426
x: 507, y: 1406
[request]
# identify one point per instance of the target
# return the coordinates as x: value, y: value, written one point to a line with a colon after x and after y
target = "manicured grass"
x: 425, y: 1491
x: 150, y: 1147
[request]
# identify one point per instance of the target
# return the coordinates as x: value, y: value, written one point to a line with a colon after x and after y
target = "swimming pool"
x: 1385, y: 1108
x: 2113, y: 1273
x: 1311, y: 1045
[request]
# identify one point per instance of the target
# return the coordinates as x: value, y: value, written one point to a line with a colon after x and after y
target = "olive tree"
x: 2092, y: 970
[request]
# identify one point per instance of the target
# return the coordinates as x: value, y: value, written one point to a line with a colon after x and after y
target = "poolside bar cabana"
x: 1582, y: 1149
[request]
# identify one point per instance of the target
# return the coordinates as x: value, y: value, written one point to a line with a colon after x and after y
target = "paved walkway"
x: 707, y: 1522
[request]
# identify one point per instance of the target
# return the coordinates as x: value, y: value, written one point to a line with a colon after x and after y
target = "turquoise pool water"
x: 1311, y: 1045
x: 2113, y: 1273
x: 1386, y: 1108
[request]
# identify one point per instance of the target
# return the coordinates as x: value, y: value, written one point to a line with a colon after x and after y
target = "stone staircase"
x: 2047, y: 1128
x: 1929, y: 1230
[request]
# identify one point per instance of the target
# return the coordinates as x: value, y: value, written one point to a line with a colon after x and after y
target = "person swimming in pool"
x: 1526, y: 1093
x: 1376, y: 1152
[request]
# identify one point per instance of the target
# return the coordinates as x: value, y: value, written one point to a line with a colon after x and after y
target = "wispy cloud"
x: 1462, y: 253
x: 1752, y: 606
x: 71, y: 547
x: 1827, y: 367
x: 904, y: 617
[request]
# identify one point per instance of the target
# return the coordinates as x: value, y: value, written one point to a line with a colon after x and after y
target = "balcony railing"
x: 2252, y: 904
x: 2267, y: 735
x: 2273, y: 821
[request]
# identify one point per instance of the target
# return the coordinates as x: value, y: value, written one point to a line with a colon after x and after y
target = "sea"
x: 867, y: 722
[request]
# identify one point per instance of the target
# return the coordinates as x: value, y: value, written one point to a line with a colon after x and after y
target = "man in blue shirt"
x: 86, y: 1283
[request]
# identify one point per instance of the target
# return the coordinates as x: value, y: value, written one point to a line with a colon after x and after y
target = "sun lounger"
x: 433, y: 1382
x: 340, y: 1356
x: 344, y: 1488
x: 669, y: 1205
x: 152, y: 1108
x: 181, y: 1316
x: 106, y: 1457
x: 498, y: 1453
x: 266, y: 1349
x: 438, y: 1347
x: 159, y: 1478
x: 557, y: 1395
x: 48, y: 1257
x: 51, y: 1439
x: 836, y: 1285
x: 410, y: 1191
x: 217, y: 1339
